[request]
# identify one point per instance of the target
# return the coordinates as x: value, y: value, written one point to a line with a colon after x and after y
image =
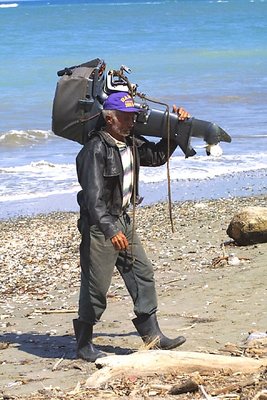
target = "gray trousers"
x: 98, y: 259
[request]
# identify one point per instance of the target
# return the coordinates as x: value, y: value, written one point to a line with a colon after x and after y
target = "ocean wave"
x: 37, y: 195
x: 37, y: 179
x: 9, y: 5
x: 195, y: 168
x: 14, y: 138
x: 57, y: 171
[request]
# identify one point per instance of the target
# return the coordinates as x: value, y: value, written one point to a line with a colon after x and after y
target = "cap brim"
x: 132, y: 109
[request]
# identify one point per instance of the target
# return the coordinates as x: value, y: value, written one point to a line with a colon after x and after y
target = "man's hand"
x: 182, y: 113
x: 119, y: 241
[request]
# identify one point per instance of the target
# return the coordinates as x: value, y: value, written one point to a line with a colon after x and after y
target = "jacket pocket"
x: 111, y: 170
x: 113, y: 164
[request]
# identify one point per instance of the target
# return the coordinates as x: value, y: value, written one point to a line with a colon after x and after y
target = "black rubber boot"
x: 148, y: 328
x: 85, y: 348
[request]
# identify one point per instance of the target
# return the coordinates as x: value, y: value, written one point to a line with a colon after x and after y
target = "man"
x: 107, y: 169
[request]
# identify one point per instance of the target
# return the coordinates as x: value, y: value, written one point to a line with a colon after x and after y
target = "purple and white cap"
x: 120, y: 101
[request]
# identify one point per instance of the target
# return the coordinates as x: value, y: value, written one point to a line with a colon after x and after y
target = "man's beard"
x: 125, y: 132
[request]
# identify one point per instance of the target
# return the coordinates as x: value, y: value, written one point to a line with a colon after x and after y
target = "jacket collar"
x: 107, y: 137
x: 129, y: 139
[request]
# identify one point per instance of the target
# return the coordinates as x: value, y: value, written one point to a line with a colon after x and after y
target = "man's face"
x: 123, y: 122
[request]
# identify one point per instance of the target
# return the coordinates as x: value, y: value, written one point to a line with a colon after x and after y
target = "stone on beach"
x: 249, y: 226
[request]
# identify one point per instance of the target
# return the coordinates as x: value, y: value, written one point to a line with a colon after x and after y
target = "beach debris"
x: 228, y: 259
x: 55, y: 366
x: 249, y: 226
x: 254, y: 346
x: 76, y: 390
x: 142, y: 363
x: 205, y: 394
x: 186, y: 328
x: 236, y: 387
x: 59, y: 311
x: 4, y: 345
x: 255, y: 335
x: 231, y: 259
x: 262, y: 395
x: 232, y: 349
x: 189, y: 386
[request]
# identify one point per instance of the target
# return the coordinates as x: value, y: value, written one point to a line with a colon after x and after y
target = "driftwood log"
x: 145, y: 363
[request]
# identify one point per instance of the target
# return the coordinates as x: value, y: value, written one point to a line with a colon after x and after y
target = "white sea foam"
x: 10, y: 5
x: 42, y: 170
x: 205, y: 167
x: 37, y: 195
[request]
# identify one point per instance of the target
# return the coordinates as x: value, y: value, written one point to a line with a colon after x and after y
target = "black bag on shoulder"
x: 77, y: 102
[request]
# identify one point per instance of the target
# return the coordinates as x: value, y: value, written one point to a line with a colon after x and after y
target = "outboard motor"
x: 82, y: 90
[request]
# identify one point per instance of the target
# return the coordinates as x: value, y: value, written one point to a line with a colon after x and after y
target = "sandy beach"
x: 200, y: 295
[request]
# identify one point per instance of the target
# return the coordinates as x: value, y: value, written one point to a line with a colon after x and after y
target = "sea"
x: 208, y: 56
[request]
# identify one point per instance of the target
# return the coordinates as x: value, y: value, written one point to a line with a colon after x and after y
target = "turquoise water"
x: 209, y: 56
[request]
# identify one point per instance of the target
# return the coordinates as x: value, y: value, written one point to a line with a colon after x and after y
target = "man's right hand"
x: 181, y: 112
x: 119, y: 241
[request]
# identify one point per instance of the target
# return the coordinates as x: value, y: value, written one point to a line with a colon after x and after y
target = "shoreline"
x: 245, y: 184
x: 210, y: 305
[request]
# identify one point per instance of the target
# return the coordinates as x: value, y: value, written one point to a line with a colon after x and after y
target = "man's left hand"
x: 119, y: 241
x: 181, y: 112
